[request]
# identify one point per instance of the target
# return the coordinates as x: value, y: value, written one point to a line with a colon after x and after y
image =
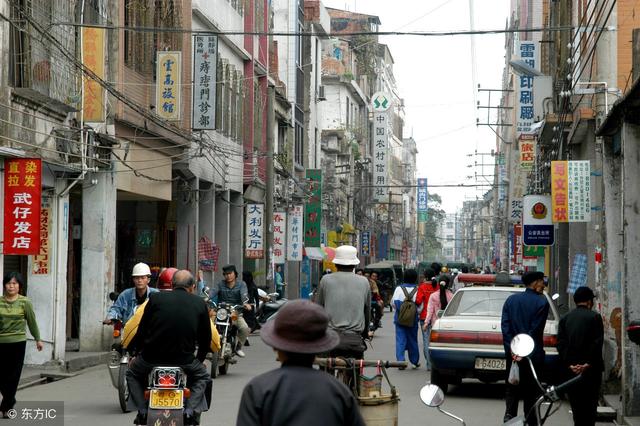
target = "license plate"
x: 491, y: 364
x: 169, y: 398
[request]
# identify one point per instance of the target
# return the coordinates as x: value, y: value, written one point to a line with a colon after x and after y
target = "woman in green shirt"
x: 16, y: 312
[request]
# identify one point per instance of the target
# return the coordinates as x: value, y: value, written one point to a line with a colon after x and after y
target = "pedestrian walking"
x: 580, y: 340
x: 406, y: 318
x: 427, y: 287
x: 524, y: 312
x: 296, y: 393
x: 254, y: 299
x: 16, y: 313
x: 347, y: 299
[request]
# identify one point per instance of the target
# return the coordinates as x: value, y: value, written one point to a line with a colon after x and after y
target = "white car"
x: 466, y: 340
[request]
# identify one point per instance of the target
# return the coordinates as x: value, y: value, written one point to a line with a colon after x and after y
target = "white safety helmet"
x: 141, y: 270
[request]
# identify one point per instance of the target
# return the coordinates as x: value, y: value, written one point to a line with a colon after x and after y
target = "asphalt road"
x: 91, y: 400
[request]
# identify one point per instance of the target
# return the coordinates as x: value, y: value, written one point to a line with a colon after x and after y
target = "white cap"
x: 141, y: 270
x: 346, y: 255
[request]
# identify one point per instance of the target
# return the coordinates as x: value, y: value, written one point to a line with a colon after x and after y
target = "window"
x: 299, y: 145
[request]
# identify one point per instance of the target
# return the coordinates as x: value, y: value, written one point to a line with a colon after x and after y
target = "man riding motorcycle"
x: 124, y: 307
x: 172, y: 324
x: 234, y: 292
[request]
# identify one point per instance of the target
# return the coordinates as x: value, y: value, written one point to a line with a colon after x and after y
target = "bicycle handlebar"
x: 346, y: 362
x: 563, y: 386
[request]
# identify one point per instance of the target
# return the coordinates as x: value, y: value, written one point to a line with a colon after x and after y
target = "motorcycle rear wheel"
x: 123, y: 388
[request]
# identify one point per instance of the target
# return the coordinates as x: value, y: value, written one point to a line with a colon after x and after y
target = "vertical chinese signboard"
x: 22, y: 202
x: 294, y: 234
x: 313, y: 208
x: 168, y: 88
x: 279, y: 225
x: 41, y: 261
x: 380, y: 102
x: 524, y: 84
x: 93, y: 58
x: 422, y: 200
x: 365, y: 243
x: 205, y: 54
x: 571, y: 191
x: 254, y: 242
x: 527, y: 151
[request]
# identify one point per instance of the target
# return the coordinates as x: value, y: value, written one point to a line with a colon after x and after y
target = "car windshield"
x: 486, y: 303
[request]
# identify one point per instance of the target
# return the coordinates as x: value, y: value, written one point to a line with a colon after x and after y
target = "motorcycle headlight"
x: 222, y: 314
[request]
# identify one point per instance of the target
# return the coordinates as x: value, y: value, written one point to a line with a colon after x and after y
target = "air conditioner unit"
x: 321, y: 96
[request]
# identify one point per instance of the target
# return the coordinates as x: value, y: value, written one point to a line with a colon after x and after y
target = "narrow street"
x: 90, y: 398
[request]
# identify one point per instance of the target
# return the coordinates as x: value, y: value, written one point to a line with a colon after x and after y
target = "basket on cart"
x: 378, y: 401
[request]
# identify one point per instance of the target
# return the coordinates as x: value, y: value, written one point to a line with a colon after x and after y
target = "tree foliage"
x: 431, y: 245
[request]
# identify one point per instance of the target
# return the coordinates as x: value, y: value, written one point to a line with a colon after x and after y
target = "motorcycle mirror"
x: 555, y: 296
x: 431, y: 395
x: 522, y: 345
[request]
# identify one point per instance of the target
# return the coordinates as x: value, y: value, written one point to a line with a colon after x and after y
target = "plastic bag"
x: 514, y: 374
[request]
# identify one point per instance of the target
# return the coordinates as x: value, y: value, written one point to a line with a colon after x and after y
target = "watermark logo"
x: 49, y: 413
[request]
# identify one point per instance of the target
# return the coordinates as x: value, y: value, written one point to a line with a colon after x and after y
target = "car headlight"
x: 222, y: 314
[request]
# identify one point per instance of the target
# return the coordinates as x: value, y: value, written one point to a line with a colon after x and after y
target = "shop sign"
x: 205, y: 60
x: 524, y: 85
x: 279, y: 235
x: 380, y: 156
x: 536, y: 220
x: 93, y: 58
x: 527, y: 151
x: 168, y: 89
x: 365, y: 243
x: 254, y: 241
x: 515, y: 210
x: 517, y: 244
x: 313, y: 209
x: 22, y: 204
x: 571, y: 191
x: 294, y: 234
x: 422, y: 200
x: 41, y: 262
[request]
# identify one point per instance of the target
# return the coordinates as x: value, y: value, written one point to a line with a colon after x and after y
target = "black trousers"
x: 527, y: 391
x: 583, y: 397
x: 11, y: 362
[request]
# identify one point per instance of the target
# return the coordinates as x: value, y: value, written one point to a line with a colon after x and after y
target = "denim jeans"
x: 426, y: 335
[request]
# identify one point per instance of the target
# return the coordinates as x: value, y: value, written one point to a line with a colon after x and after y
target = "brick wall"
x: 628, y: 19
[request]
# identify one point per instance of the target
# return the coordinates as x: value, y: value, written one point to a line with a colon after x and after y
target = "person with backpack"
x: 438, y: 301
x: 406, y: 318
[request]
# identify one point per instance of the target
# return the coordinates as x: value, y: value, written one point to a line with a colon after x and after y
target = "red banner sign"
x: 22, y: 203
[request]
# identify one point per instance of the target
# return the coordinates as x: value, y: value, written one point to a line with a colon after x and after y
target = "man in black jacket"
x: 172, y: 323
x: 580, y: 340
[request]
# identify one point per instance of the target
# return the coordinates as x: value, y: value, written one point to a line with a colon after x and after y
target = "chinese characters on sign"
x: 571, y: 191
x: 93, y: 58
x: 168, y: 85
x: 380, y: 156
x: 524, y: 85
x: 294, y: 234
x: 205, y: 54
x: 313, y: 208
x: 279, y: 235
x: 579, y: 191
x: 515, y: 210
x: 41, y: 265
x: 365, y: 243
x: 254, y: 245
x: 527, y: 151
x: 22, y: 203
x: 422, y: 199
x: 517, y: 246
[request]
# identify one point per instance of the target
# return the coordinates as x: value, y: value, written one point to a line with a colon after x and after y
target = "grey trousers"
x: 243, y: 330
x: 197, y: 378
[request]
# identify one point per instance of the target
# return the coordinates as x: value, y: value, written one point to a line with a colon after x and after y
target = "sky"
x: 436, y: 79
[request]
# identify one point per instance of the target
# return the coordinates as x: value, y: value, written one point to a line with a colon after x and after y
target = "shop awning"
x: 314, y: 253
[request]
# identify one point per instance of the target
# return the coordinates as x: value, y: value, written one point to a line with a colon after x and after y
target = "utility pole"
x: 389, y: 228
x: 270, y: 185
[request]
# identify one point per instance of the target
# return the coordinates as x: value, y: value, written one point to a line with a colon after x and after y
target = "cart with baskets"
x: 377, y: 397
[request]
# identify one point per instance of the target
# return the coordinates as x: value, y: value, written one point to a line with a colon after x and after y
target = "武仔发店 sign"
x: 22, y: 204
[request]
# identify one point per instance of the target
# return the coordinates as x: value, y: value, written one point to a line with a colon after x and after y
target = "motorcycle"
x: 166, y: 393
x: 432, y: 396
x: 225, y: 316
x: 376, y: 310
x: 270, y: 307
x: 522, y: 345
x: 118, y: 363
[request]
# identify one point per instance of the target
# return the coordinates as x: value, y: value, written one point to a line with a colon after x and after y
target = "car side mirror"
x: 439, y: 313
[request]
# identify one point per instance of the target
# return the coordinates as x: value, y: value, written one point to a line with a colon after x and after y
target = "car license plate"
x: 491, y: 364
x: 166, y: 398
